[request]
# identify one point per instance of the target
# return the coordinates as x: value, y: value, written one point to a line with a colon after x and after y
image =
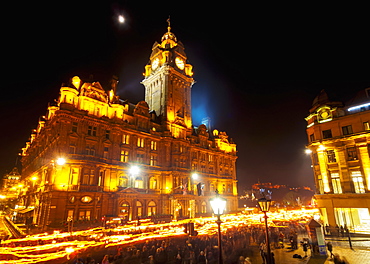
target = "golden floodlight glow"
x: 61, y: 161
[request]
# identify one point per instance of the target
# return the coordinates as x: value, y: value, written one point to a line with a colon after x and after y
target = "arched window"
x: 153, y: 183
x: 124, y: 210
x: 139, y: 183
x: 123, y: 181
x: 203, y: 208
x: 152, y: 208
x: 139, y: 208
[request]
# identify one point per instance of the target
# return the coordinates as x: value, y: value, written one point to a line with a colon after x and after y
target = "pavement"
x: 359, y: 254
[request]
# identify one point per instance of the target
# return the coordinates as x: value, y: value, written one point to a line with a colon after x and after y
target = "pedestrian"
x: 305, y: 248
x: 330, y: 249
x: 105, y: 260
x: 337, y: 229
x: 342, y: 231
x: 327, y: 229
x: 262, y: 252
x: 202, y: 258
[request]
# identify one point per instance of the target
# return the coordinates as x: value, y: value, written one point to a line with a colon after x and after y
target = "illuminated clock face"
x: 180, y: 63
x: 325, y: 114
x: 155, y: 63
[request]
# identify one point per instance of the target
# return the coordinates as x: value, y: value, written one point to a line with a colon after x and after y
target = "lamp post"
x: 264, y: 205
x: 218, y: 205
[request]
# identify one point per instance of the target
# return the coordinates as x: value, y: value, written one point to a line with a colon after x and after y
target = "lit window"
x: 358, y: 181
x: 140, y: 142
x: 320, y: 184
x: 139, y: 208
x: 124, y: 156
x: 152, y: 208
x: 153, y: 160
x: 84, y: 215
x: 125, y: 139
x: 153, y: 183
x: 366, y: 126
x: 335, y: 180
x: 203, y: 208
x: 153, y: 145
x: 331, y: 156
x: 139, y: 183
x: 352, y: 153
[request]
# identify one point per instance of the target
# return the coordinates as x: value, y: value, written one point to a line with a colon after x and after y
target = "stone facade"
x: 94, y: 155
x: 339, y: 141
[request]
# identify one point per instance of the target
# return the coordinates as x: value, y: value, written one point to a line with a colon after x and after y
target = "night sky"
x: 257, y: 68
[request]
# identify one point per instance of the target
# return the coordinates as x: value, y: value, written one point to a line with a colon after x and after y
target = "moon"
x: 121, y: 19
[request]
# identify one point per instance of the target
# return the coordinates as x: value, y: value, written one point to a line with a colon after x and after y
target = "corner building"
x: 94, y: 155
x: 339, y: 141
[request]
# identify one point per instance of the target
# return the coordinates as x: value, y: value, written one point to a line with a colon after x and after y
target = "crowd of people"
x: 240, y: 245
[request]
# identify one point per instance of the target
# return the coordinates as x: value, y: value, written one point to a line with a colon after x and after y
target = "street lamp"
x: 264, y: 205
x: 218, y: 205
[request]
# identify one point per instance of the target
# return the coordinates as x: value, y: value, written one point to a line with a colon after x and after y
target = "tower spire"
x: 169, y: 23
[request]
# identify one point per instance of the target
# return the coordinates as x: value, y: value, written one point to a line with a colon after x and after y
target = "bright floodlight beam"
x: 61, y: 161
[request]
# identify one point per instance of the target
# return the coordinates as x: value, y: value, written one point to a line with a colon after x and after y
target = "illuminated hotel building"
x: 94, y: 155
x: 339, y: 141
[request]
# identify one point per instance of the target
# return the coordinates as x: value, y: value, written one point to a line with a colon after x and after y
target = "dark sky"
x: 257, y: 68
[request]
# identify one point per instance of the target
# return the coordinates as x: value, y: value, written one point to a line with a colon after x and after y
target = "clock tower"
x: 168, y: 81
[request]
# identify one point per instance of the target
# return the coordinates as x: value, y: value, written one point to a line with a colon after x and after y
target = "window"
x: 125, y: 139
x: 203, y: 207
x: 366, y: 126
x: 152, y: 207
x: 88, y: 177
x: 72, y: 149
x: 153, y: 145
x: 74, y: 127
x: 326, y: 133
x: 101, y: 178
x: 139, y: 183
x: 320, y: 184
x: 70, y: 214
x: 331, y: 156
x: 358, y: 181
x: 140, y: 158
x: 312, y: 137
x: 139, y: 208
x: 352, y: 153
x: 347, y: 130
x: 140, y: 142
x: 105, y: 153
x: 335, y: 180
x: 84, y: 215
x: 107, y: 134
x: 90, y: 150
x: 91, y: 131
x: 153, y: 183
x: 123, y: 181
x: 153, y: 160
x: 125, y: 209
x: 124, y: 156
